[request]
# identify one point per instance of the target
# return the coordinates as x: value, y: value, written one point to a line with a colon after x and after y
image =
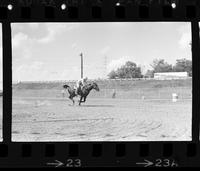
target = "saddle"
x: 79, y: 89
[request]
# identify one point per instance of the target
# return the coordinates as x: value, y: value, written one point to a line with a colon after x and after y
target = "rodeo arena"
x: 143, y: 109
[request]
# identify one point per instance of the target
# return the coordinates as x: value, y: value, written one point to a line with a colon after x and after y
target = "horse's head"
x: 95, y: 86
x: 65, y: 86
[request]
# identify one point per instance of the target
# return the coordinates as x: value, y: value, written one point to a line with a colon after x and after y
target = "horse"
x: 82, y: 92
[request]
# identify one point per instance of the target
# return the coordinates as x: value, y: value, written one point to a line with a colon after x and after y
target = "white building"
x: 170, y: 75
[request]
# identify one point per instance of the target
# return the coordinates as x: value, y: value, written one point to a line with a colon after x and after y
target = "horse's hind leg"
x: 71, y: 98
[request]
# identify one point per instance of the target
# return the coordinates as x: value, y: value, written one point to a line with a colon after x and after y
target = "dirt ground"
x: 52, y: 119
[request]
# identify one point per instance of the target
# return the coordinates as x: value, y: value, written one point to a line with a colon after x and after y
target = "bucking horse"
x: 82, y: 92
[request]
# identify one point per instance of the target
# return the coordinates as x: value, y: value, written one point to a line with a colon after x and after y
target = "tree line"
x: 132, y: 70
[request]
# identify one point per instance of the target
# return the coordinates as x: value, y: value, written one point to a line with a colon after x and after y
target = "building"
x: 171, y: 75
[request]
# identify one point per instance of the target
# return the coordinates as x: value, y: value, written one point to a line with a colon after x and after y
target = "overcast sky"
x: 50, y: 51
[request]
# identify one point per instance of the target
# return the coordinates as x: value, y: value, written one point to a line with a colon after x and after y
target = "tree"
x: 129, y: 70
x: 112, y: 75
x: 149, y: 74
x: 159, y: 65
x: 183, y: 65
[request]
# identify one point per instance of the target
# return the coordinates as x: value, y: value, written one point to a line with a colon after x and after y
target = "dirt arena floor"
x: 52, y: 119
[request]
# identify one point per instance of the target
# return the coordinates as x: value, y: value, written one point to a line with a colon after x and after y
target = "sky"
x: 51, y: 51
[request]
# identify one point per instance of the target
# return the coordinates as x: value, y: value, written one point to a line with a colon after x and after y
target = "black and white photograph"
x: 105, y: 81
x: 1, y: 84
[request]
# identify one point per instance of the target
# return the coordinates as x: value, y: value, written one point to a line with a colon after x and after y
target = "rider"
x: 80, y: 84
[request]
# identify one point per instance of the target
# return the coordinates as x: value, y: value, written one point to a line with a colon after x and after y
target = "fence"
x: 144, y: 93
x: 117, y: 79
x: 137, y: 93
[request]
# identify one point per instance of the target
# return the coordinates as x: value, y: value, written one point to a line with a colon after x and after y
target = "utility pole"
x: 105, y: 65
x: 81, y: 64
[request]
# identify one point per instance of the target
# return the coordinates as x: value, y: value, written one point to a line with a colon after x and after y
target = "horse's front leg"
x: 84, y: 100
x: 80, y: 100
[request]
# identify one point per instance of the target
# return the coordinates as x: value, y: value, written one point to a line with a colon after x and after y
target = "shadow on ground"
x: 97, y: 106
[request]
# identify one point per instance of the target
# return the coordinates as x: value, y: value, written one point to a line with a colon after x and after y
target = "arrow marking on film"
x: 56, y: 164
x: 146, y: 163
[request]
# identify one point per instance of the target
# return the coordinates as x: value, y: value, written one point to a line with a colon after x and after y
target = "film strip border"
x: 100, y: 154
x: 99, y: 10
x: 157, y: 154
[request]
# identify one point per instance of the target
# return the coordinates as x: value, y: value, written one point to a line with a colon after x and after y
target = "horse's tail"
x: 65, y: 86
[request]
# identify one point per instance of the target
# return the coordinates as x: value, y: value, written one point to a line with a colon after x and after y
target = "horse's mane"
x: 87, y: 85
x: 90, y: 84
